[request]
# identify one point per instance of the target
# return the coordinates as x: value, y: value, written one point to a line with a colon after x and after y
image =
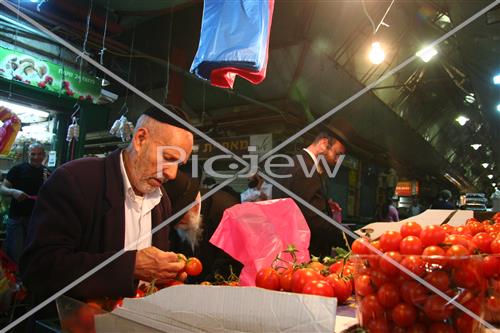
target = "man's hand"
x: 152, y: 263
x: 19, y: 195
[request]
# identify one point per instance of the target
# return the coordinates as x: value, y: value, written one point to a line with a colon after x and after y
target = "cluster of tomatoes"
x: 462, y: 262
x: 82, y: 319
x: 330, y: 277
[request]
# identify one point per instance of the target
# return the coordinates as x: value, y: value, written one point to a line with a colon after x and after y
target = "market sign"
x: 238, y: 145
x: 48, y: 76
x: 407, y: 188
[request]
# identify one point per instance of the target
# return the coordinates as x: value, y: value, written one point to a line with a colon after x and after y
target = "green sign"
x: 47, y: 75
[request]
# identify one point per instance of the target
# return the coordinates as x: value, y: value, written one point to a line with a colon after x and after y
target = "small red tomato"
x: 410, y: 228
x: 318, y: 287
x: 388, y: 295
x: 359, y: 246
x: 286, y: 279
x: 404, y: 315
x: 432, y: 235
x: 342, y: 288
x: 193, y: 266
x: 411, y: 245
x: 389, y: 241
x: 268, y: 278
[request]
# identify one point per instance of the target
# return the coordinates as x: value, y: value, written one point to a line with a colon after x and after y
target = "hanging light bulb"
x: 462, y: 120
x: 377, y: 54
x: 490, y: 176
x: 485, y: 165
x: 476, y: 146
x: 426, y: 54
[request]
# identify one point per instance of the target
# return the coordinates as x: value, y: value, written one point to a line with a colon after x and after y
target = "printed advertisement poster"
x: 48, y: 76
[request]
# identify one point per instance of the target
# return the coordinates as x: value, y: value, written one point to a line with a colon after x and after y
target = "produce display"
x: 462, y: 262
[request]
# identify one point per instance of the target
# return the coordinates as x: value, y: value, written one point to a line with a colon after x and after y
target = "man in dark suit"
x: 308, y: 180
x: 191, y: 233
x: 91, y: 208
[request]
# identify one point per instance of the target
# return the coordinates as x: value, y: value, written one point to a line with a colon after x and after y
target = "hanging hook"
x: 77, y: 109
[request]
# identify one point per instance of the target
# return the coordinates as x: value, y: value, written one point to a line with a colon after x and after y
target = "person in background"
x: 257, y: 190
x: 388, y: 212
x: 22, y: 183
x: 312, y: 188
x: 495, y: 200
x: 443, y: 201
x: 92, y: 208
x: 192, y: 232
x: 415, y: 208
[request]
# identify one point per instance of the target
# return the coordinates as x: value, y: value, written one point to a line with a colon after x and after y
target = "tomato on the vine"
x: 193, y: 266
x: 268, y: 278
x: 318, y: 287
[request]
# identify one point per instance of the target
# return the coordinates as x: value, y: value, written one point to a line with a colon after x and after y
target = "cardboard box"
x: 197, y: 308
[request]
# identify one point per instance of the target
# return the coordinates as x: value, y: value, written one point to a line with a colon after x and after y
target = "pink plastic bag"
x: 255, y: 232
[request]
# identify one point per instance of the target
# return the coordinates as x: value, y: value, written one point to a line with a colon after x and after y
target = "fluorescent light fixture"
x: 427, y: 53
x: 104, y: 83
x: 377, y: 54
x: 462, y: 120
x: 476, y: 146
x: 452, y: 180
x: 496, y: 79
x: 469, y: 98
x: 498, y: 107
x: 485, y: 165
x: 490, y: 176
x: 25, y: 113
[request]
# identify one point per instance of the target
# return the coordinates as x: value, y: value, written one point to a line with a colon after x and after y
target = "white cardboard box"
x: 197, y: 308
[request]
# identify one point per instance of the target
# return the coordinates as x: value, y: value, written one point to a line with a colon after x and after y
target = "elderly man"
x: 308, y: 181
x: 91, y: 208
x: 22, y: 183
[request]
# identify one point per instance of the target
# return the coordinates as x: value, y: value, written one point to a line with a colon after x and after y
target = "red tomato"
x: 411, y: 245
x: 456, y: 239
x: 378, y: 277
x: 474, y: 227
x: 139, y: 293
x: 491, y: 266
x: 436, y: 308
x: 336, y: 267
x: 414, y: 264
x: 193, y: 266
x: 268, y: 278
x: 378, y: 325
x: 464, y: 323
x: 495, y: 245
x: 438, y: 279
x: 389, y: 241
x: 342, y: 289
x: 413, y: 292
x: 363, y: 285
x: 286, y: 279
x: 316, y: 265
x: 457, y: 251
x: 493, y: 303
x: 404, y: 315
x: 359, y: 246
x: 318, y: 287
x: 432, y: 235
x: 388, y: 295
x: 468, y: 276
x: 483, y: 242
x: 417, y: 328
x: 301, y: 276
x: 370, y: 308
x: 434, y: 255
x: 449, y: 229
x: 387, y: 267
x: 410, y: 228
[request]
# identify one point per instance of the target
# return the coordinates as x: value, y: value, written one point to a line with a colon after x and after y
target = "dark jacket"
x: 323, y: 234
x: 77, y: 223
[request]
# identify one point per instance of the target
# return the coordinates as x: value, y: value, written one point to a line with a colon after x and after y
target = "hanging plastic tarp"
x: 234, y: 41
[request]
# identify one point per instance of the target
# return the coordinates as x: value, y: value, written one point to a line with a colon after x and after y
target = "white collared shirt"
x: 137, y: 213
x: 315, y: 159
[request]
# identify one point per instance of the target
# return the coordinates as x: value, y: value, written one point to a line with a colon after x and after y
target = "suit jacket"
x: 78, y: 222
x: 323, y: 234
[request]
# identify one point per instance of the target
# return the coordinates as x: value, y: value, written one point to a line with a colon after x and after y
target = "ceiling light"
x: 104, y: 83
x: 485, y: 165
x: 462, y: 120
x: 377, y: 54
x: 490, y: 176
x: 496, y: 79
x: 476, y: 146
x: 493, y: 184
x: 470, y: 98
x: 426, y: 54
x: 498, y: 107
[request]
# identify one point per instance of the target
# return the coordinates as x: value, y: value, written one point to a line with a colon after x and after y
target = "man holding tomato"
x: 312, y: 187
x: 91, y: 208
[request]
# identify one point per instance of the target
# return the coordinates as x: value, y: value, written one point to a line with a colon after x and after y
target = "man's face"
x: 333, y: 153
x: 36, y: 156
x: 159, y: 156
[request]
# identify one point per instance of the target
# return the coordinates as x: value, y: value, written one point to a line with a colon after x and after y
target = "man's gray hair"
x: 35, y: 145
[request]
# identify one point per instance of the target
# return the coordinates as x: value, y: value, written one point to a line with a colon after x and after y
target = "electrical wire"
x: 368, y: 15
x: 85, y: 39
x: 103, y: 48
